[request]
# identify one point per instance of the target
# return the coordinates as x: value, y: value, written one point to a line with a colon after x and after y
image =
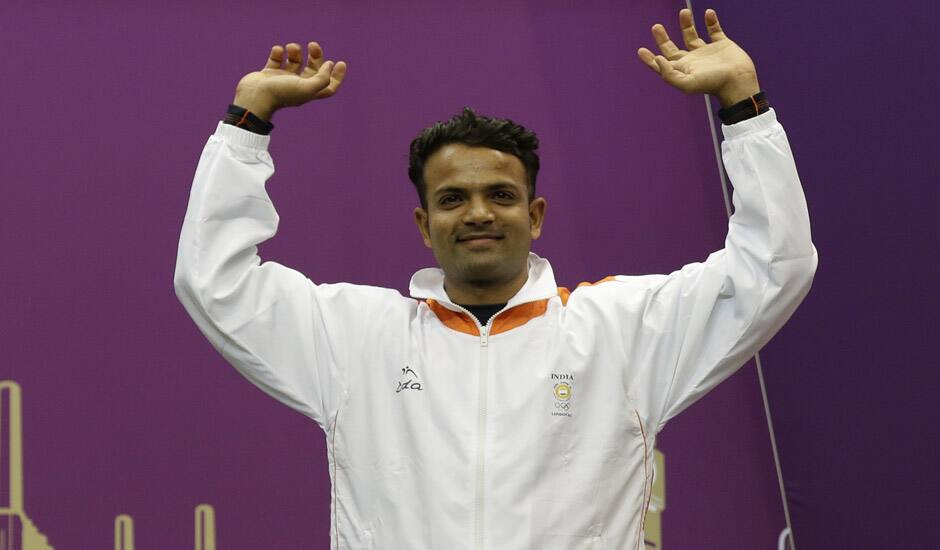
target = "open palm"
x: 719, y: 67
x: 289, y: 80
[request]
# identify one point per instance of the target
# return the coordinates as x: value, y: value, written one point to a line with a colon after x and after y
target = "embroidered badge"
x: 562, y: 390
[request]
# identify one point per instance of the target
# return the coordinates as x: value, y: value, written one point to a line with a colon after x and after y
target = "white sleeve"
x: 692, y: 329
x: 270, y: 322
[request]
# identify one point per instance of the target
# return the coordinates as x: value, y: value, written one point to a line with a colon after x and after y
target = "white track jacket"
x: 535, y: 431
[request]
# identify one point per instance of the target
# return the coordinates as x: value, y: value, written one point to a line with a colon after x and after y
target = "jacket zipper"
x: 481, y: 425
x: 481, y: 435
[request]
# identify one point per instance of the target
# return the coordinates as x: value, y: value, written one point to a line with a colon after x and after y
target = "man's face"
x: 479, y: 221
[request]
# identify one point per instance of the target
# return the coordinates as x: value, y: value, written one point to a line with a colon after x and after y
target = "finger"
x: 336, y: 79
x: 320, y: 80
x: 648, y: 59
x: 714, y: 28
x: 689, y: 34
x: 275, y: 59
x: 670, y: 74
x: 666, y: 46
x: 314, y: 58
x: 293, y: 57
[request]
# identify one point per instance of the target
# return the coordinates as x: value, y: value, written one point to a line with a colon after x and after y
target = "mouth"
x: 478, y: 239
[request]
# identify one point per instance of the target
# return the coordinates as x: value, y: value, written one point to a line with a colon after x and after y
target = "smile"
x: 479, y: 240
x: 471, y: 237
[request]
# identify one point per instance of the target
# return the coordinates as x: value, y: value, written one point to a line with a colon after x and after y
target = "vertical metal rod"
x: 760, y: 373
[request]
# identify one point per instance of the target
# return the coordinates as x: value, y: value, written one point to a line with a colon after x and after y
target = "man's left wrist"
x: 738, y: 90
x: 751, y: 107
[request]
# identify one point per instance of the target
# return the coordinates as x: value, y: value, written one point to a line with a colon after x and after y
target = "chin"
x: 485, y: 271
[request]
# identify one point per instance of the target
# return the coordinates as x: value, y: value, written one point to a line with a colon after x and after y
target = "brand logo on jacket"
x: 562, y: 391
x: 408, y: 380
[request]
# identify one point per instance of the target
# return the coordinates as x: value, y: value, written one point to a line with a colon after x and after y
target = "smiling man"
x: 492, y: 409
x: 479, y: 213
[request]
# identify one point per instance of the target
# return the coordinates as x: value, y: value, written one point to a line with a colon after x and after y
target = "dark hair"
x: 474, y: 130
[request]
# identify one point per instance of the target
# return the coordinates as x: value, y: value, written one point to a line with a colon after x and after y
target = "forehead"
x: 459, y: 164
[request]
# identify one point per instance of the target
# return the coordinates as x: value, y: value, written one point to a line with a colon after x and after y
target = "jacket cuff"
x: 755, y: 124
x: 237, y: 136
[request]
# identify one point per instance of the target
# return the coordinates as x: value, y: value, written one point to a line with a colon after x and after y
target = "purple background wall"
x: 127, y: 409
x: 852, y: 383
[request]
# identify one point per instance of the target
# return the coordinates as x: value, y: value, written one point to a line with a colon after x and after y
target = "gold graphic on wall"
x: 17, y: 532
x: 653, y: 539
x: 205, y: 527
x: 205, y: 530
x: 123, y: 532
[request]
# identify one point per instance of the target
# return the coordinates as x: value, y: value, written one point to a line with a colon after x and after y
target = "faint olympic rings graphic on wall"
x: 564, y: 406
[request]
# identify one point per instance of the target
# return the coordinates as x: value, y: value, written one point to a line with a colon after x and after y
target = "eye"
x: 503, y: 195
x: 448, y: 199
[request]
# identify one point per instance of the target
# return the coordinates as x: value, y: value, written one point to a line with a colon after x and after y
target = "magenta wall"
x: 127, y: 409
x: 852, y: 383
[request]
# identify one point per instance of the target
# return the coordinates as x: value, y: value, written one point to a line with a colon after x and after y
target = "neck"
x: 469, y: 294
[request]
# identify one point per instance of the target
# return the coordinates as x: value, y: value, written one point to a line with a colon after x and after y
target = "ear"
x: 536, y: 217
x: 421, y: 220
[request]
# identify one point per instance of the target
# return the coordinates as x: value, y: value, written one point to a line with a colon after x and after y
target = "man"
x: 492, y: 409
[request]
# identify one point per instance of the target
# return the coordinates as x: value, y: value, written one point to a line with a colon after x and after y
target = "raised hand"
x: 289, y: 80
x: 719, y: 67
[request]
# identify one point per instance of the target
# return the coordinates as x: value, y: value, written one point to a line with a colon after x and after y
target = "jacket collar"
x: 428, y: 283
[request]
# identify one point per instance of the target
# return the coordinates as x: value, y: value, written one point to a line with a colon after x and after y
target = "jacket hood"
x: 429, y: 283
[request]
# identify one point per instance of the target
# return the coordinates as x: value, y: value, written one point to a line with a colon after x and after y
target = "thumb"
x: 319, y: 80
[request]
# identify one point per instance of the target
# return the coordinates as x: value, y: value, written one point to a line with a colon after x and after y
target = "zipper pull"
x: 483, y: 334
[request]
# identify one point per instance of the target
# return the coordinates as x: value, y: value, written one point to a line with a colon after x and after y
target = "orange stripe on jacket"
x: 604, y: 280
x: 518, y: 316
x: 505, y: 321
x: 456, y: 320
x: 564, y: 293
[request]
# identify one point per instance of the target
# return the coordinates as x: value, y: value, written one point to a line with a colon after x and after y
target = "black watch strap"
x: 751, y: 107
x: 243, y: 118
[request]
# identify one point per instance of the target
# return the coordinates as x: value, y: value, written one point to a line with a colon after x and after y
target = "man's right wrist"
x: 246, y: 119
x: 258, y: 103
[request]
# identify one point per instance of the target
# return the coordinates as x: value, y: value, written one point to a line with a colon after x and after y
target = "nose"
x: 478, y: 211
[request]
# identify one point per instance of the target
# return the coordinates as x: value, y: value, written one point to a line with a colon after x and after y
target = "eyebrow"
x: 486, y: 187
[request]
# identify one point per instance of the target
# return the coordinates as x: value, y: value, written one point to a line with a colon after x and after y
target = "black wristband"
x: 241, y: 117
x: 751, y: 107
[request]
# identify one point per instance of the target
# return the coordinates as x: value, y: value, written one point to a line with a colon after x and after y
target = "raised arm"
x: 686, y: 332
x: 270, y: 322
